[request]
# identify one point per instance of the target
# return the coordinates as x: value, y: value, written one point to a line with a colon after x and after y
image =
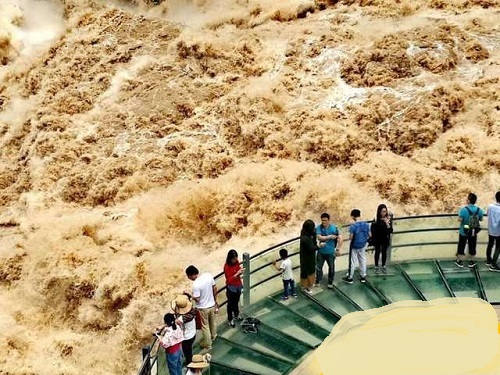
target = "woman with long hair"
x: 381, y: 230
x: 171, y: 336
x: 234, y: 285
x: 308, y: 247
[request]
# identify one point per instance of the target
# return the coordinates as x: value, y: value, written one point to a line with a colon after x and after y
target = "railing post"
x: 246, y: 280
x: 146, y: 350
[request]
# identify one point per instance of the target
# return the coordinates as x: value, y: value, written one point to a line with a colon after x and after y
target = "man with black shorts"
x: 467, y: 235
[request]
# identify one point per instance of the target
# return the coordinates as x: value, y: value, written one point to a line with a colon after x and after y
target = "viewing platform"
x: 421, y: 266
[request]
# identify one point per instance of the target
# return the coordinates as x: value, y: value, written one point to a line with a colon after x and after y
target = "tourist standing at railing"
x: 381, y: 230
x: 359, y: 233
x: 493, y: 234
x: 171, y: 336
x: 308, y: 248
x: 330, y: 242
x: 286, y: 269
x: 468, y: 235
x: 234, y: 285
x: 205, y: 295
x: 186, y: 314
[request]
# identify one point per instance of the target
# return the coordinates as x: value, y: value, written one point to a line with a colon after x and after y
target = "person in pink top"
x: 233, y: 272
x: 171, y: 336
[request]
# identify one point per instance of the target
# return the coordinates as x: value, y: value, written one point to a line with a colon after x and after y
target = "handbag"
x: 198, y: 319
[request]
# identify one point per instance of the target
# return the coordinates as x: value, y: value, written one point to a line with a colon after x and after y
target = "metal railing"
x: 429, y: 236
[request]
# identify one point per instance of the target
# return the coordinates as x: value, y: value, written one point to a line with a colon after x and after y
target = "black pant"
x: 462, y: 240
x: 187, y: 349
x: 493, y: 240
x: 381, y: 248
x: 233, y: 300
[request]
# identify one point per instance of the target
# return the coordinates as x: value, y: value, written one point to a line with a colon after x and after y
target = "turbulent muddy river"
x: 136, y: 139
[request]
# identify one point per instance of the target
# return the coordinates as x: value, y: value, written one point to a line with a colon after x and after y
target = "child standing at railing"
x: 286, y: 270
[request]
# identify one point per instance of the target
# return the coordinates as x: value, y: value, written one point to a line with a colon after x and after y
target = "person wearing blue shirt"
x: 329, y: 244
x: 493, y: 234
x: 466, y: 236
x: 359, y: 233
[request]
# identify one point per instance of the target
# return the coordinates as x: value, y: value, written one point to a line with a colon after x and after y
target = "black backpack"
x: 474, y: 225
x: 250, y: 325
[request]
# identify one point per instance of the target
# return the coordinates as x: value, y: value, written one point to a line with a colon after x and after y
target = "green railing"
x: 414, y: 237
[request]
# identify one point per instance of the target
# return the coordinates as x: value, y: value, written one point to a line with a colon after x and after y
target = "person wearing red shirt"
x: 233, y: 272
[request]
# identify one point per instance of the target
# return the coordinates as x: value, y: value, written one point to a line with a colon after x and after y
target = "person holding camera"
x: 381, y: 230
x: 170, y: 336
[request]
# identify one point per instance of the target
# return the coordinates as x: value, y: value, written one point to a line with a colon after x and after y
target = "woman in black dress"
x: 308, y: 247
x: 381, y: 230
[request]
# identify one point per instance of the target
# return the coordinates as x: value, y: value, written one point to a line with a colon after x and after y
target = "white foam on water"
x: 42, y: 22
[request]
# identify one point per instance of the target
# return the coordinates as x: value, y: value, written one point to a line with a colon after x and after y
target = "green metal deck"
x: 292, y: 329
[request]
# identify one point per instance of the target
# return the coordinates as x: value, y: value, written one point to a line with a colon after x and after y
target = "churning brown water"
x: 137, y: 139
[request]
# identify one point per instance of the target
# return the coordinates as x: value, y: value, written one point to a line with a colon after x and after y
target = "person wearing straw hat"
x: 185, y: 313
x: 198, y: 363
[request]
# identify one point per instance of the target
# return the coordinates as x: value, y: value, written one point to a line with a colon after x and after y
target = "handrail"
x: 219, y: 275
x: 148, y: 360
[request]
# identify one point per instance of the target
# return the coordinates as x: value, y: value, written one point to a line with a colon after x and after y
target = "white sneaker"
x: 330, y: 286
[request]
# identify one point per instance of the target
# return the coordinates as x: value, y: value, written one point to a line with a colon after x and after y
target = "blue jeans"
x: 174, y: 362
x: 289, y: 287
x: 320, y: 261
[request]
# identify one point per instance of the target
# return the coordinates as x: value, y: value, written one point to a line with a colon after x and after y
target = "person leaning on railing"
x: 170, y: 336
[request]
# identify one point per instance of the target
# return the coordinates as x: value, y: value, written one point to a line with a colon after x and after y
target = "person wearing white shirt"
x: 205, y: 295
x: 186, y: 314
x: 286, y: 270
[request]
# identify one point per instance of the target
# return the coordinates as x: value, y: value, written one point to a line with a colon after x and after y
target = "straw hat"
x: 198, y: 362
x: 181, y: 304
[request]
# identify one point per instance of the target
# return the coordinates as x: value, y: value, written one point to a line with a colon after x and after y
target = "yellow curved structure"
x: 447, y: 336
